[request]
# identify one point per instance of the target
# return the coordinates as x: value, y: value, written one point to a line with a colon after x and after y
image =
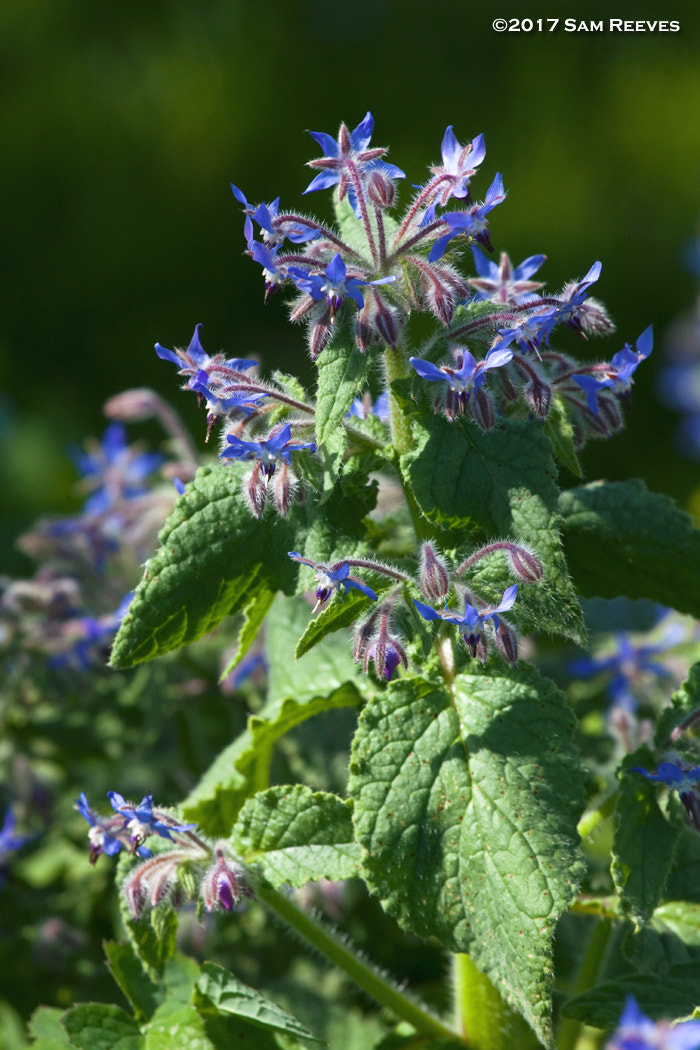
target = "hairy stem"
x: 361, y: 972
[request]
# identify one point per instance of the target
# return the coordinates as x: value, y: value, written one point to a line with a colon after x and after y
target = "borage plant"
x: 414, y: 493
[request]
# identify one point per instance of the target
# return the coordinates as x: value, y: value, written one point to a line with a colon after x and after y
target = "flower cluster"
x: 379, y: 641
x: 165, y: 874
x: 376, y: 269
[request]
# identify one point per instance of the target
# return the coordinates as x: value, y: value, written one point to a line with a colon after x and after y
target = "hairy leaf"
x: 101, y: 1026
x: 219, y: 990
x: 674, y: 994
x: 502, y: 484
x: 644, y: 842
x: 342, y: 375
x: 466, y: 803
x: 297, y: 835
x: 214, y: 557
x: 621, y: 539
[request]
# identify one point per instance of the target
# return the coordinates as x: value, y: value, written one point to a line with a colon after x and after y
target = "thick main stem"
x: 357, y: 969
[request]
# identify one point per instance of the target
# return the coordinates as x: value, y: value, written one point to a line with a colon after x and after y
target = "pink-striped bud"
x: 507, y: 643
x: 255, y: 489
x: 538, y: 397
x: 434, y: 576
x: 526, y: 565
x: 482, y: 409
x: 224, y: 883
x: 151, y: 882
x: 380, y: 189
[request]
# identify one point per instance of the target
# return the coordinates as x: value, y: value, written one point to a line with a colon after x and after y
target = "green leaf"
x: 680, y: 918
x: 127, y: 970
x: 177, y: 1025
x: 101, y: 1026
x: 621, y: 539
x: 253, y: 616
x: 560, y: 432
x: 674, y: 994
x: 644, y: 842
x: 45, y: 1023
x: 214, y: 558
x: 152, y: 936
x: 502, y: 483
x: 343, y: 611
x: 220, y: 991
x: 466, y: 804
x: 342, y: 375
x: 297, y: 836
x: 236, y: 773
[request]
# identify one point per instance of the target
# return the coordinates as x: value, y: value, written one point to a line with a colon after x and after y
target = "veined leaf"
x: 214, y: 557
x: 297, y: 835
x: 502, y: 484
x: 621, y: 539
x: 466, y: 802
x: 342, y: 375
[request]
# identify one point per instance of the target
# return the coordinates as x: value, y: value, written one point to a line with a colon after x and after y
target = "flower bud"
x: 526, y: 565
x: 318, y: 336
x: 132, y: 406
x: 507, y: 643
x: 538, y: 396
x: 380, y: 189
x: 150, y: 882
x: 434, y: 577
x: 255, y: 491
x: 283, y: 489
x: 224, y: 883
x: 482, y: 410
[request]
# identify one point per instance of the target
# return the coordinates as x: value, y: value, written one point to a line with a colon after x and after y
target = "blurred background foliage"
x: 123, y: 124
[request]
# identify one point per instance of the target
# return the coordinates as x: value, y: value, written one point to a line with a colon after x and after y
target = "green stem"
x: 481, y: 1015
x: 571, y: 1029
x: 593, y: 817
x: 359, y: 971
x: 397, y: 367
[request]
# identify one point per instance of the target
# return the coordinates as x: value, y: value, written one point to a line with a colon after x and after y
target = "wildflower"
x: 459, y: 163
x: 362, y: 407
x: 194, y: 360
x: 471, y: 223
x: 348, y: 157
x: 617, y: 376
x: 9, y: 842
x: 106, y: 834
x: 505, y: 283
x: 333, y: 284
x: 474, y: 620
x: 462, y: 381
x: 681, y: 780
x: 572, y: 301
x: 332, y: 578
x: 142, y: 821
x: 224, y: 883
x: 638, y: 1032
x: 114, y: 470
x: 277, y: 447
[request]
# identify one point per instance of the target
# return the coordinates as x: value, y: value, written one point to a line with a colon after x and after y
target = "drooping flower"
x: 333, y: 284
x: 106, y: 834
x: 617, y: 376
x: 464, y: 380
x: 473, y: 620
x: 471, y: 223
x: 332, y: 578
x: 636, y: 1031
x: 269, y: 452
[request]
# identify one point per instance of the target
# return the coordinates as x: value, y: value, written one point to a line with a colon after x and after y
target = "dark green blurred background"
x: 122, y: 125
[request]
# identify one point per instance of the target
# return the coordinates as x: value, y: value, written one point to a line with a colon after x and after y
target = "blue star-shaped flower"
x: 115, y: 470
x: 141, y: 821
x: 464, y: 380
x: 350, y: 150
x: 332, y: 578
x: 471, y: 223
x: 504, y: 283
x: 459, y: 163
x: 333, y: 284
x: 618, y: 376
x: 473, y: 620
x: 636, y: 1031
x: 267, y: 453
x: 194, y: 360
